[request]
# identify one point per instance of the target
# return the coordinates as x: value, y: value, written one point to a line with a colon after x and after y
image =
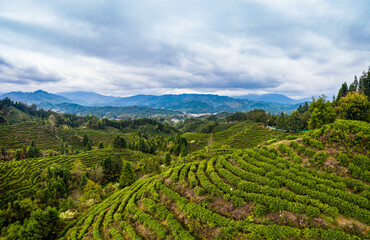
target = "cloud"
x: 300, y: 48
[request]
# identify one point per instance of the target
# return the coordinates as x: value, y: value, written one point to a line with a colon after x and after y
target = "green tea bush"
x: 320, y: 158
x: 301, y: 148
x: 259, y: 210
x: 293, y: 144
x: 343, y: 159
x: 297, y: 159
x: 199, y: 191
x: 306, y: 140
x: 309, y: 152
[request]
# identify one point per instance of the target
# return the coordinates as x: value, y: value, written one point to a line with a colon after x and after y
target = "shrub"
x: 297, y: 159
x: 309, y: 152
x: 199, y: 191
x: 259, y: 210
x: 362, y: 162
x: 306, y: 140
x: 320, y: 158
x: 343, y: 158
x: 301, y: 149
x: 293, y: 144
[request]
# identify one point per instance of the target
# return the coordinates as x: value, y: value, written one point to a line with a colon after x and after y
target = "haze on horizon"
x: 122, y: 48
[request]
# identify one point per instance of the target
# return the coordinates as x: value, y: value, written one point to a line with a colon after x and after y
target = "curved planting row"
x: 182, y: 203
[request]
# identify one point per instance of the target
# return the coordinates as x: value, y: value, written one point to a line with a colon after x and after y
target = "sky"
x: 298, y: 48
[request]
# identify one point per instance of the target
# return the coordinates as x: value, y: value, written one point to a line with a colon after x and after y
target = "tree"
x: 167, y: 159
x: 364, y: 84
x: 88, y: 146
x: 322, y: 113
x: 101, y: 145
x: 294, y: 121
x: 107, y: 166
x: 117, y: 165
x: 85, y: 140
x: 3, y: 151
x: 119, y: 142
x: 342, y: 91
x: 127, y: 175
x: 354, y: 106
x: 282, y: 121
x: 83, y: 181
x: 92, y: 190
x: 41, y: 224
x: 33, y: 151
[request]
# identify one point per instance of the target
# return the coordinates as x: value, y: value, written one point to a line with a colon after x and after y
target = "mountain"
x: 36, y: 97
x: 109, y: 111
x: 202, y: 103
x: 273, y: 98
x: 185, y: 103
x: 89, y: 98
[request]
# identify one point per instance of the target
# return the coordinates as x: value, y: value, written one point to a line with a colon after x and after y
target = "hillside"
x: 109, y: 111
x: 273, y: 98
x: 241, y: 180
x: 36, y: 97
x: 270, y: 192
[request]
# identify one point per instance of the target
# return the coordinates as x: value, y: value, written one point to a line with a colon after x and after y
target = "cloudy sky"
x: 122, y: 48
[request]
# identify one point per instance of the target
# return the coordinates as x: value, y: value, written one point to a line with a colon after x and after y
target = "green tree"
x: 127, y: 175
x: 342, y: 91
x: 85, y: 140
x: 107, y: 165
x: 322, y: 113
x: 41, y: 225
x: 3, y: 151
x: 33, y: 151
x: 354, y: 106
x: 119, y: 142
x: 167, y: 159
x: 83, y: 181
x: 294, y: 121
x: 46, y: 195
x: 117, y: 165
x: 88, y: 146
x: 364, y: 83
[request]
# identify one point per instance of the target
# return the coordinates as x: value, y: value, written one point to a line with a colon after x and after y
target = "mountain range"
x: 273, y: 97
x: 82, y: 103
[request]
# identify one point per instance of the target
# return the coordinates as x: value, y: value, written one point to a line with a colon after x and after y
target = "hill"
x: 269, y: 192
x: 240, y: 180
x: 89, y: 98
x: 273, y: 98
x: 36, y: 97
x: 109, y: 111
x: 185, y: 103
x: 203, y: 103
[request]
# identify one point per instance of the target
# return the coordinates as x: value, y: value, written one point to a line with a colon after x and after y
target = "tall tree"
x: 127, y: 175
x: 342, y: 91
x: 354, y: 106
x: 119, y: 142
x: 85, y: 140
x: 294, y: 121
x: 322, y: 113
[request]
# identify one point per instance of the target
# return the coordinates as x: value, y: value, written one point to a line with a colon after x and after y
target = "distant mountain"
x: 109, y: 111
x: 89, y: 98
x: 185, y: 103
x: 273, y: 98
x: 36, y: 97
x: 203, y: 103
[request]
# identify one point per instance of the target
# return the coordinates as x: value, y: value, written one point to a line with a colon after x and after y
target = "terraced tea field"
x: 23, y: 177
x: 21, y: 134
x: 251, y: 193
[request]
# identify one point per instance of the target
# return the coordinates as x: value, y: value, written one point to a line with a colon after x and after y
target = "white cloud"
x: 300, y: 48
